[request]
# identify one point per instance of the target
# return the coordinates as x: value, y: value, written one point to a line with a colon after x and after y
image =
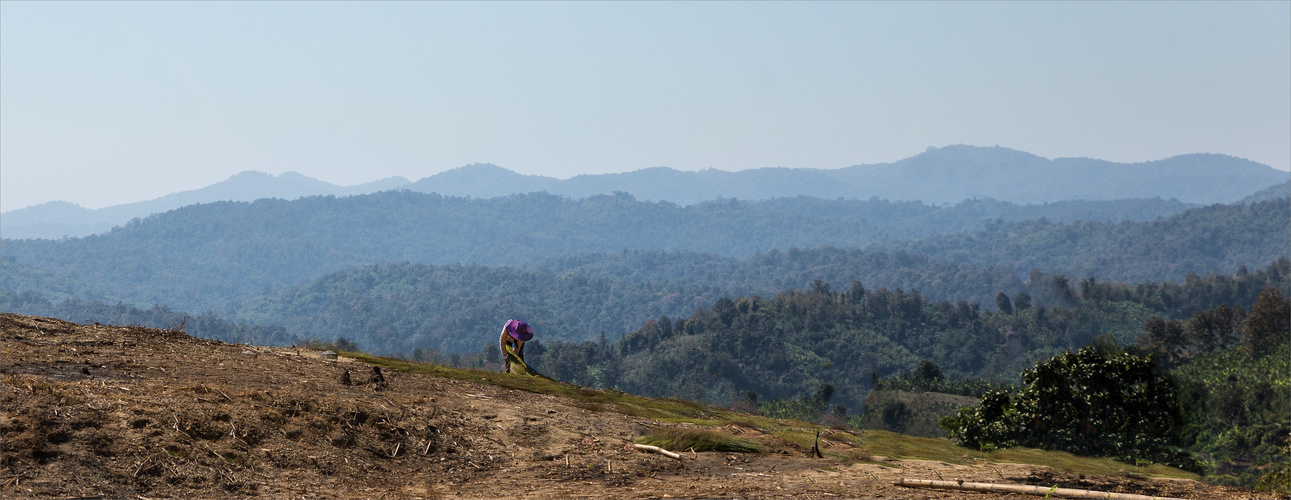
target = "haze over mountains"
x: 294, y: 257
x: 222, y: 256
x: 705, y: 301
x: 56, y: 219
x: 936, y: 176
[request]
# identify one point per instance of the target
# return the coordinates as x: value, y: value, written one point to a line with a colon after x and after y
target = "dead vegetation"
x: 120, y: 412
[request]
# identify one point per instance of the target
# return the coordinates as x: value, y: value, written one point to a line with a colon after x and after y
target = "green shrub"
x: 1097, y: 401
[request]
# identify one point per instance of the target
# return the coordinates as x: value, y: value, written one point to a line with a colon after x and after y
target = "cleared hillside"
x: 98, y: 411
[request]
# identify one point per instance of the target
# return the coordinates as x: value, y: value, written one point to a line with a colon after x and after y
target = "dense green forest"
x: 1236, y: 408
x: 786, y: 346
x: 216, y: 256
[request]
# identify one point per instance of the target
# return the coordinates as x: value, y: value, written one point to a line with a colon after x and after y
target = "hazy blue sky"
x: 106, y: 103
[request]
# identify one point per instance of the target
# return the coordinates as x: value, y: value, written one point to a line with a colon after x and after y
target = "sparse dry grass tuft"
x: 684, y: 439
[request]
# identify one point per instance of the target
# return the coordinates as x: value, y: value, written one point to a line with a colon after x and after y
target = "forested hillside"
x: 724, y: 347
x: 455, y: 308
x: 1214, y: 238
x: 394, y: 308
x: 787, y: 345
x: 398, y: 307
x: 19, y: 277
x: 1236, y: 406
x: 219, y: 255
x: 1282, y: 190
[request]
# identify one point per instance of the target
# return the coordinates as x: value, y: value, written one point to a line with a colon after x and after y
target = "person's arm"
x: 520, y: 348
x: 502, y: 344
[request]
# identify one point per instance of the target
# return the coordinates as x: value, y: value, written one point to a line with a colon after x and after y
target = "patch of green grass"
x: 684, y: 439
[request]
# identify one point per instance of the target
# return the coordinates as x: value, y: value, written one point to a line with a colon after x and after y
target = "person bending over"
x: 514, y: 333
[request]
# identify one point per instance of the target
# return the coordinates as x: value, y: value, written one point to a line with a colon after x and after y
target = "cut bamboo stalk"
x: 656, y: 449
x: 1024, y: 489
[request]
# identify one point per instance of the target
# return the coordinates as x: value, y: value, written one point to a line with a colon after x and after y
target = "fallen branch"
x: 1018, y: 488
x: 656, y: 449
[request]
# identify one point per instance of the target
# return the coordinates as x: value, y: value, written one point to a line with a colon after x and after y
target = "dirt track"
x: 122, y: 412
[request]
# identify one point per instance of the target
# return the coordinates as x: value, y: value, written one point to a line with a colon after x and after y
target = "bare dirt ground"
x: 125, y: 412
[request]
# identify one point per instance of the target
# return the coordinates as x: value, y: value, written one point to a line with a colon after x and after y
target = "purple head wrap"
x: 519, y: 330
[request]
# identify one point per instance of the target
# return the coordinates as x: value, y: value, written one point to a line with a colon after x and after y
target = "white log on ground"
x: 1021, y: 488
x: 656, y: 449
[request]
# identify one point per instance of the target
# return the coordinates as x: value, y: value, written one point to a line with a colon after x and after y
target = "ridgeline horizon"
x: 945, y: 175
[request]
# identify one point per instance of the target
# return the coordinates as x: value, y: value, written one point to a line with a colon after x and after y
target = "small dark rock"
x: 377, y: 379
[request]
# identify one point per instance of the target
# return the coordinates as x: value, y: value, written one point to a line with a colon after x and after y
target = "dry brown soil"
x: 126, y: 412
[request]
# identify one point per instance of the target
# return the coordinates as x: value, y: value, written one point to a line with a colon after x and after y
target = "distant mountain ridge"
x: 56, y: 219
x: 1274, y: 192
x: 937, y: 176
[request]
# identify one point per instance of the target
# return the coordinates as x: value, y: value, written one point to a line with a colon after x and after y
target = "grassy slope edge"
x: 797, y: 433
